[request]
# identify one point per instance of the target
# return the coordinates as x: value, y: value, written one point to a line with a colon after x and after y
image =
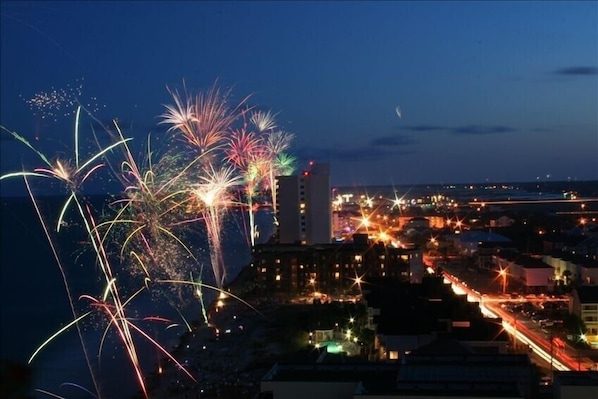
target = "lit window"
x: 278, y: 277
x: 337, y: 275
x: 263, y: 270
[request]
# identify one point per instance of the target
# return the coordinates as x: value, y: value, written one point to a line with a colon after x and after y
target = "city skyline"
x: 393, y: 93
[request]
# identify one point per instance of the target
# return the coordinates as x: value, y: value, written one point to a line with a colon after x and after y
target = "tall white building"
x: 304, y: 207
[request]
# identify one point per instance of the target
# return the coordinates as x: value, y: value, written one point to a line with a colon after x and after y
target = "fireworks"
x: 164, y: 197
x: 61, y: 102
x: 263, y: 121
x: 204, y: 121
x: 214, y: 197
x: 276, y: 144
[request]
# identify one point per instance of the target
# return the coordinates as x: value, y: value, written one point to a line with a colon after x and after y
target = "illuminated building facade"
x: 304, y: 207
x: 328, y: 268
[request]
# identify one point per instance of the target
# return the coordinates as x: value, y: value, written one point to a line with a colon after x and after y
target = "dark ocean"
x: 35, y: 304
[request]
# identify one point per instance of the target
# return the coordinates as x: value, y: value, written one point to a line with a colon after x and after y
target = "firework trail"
x: 199, y: 294
x: 276, y: 143
x: 72, y: 174
x: 72, y: 177
x: 246, y: 151
x: 214, y: 196
x: 151, y: 215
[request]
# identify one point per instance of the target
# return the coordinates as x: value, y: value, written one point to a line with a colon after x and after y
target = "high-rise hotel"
x: 304, y: 207
x: 304, y: 256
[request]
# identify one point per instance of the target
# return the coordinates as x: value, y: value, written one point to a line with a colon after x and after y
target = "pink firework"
x: 203, y: 121
x: 246, y: 151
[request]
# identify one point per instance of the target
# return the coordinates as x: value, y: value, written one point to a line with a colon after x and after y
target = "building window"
x: 263, y: 270
x: 337, y: 275
x: 278, y: 277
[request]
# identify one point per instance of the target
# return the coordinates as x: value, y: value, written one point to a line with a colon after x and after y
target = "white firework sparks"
x: 61, y: 102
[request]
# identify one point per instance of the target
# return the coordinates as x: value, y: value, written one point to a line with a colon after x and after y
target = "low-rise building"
x: 467, y: 242
x: 531, y: 273
x: 436, y: 371
x: 584, y: 304
x: 575, y: 384
x: 339, y: 267
x: 408, y: 316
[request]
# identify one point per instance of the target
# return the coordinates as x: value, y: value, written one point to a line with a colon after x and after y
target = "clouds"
x: 482, y: 130
x: 393, y: 145
x: 577, y: 71
x: 393, y: 141
x: 473, y: 130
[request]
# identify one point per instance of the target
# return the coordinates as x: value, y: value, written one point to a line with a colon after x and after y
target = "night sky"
x: 503, y: 91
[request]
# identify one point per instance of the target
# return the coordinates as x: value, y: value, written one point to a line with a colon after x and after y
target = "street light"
x: 503, y: 274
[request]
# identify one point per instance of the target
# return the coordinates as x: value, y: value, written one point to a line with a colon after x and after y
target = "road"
x: 557, y: 354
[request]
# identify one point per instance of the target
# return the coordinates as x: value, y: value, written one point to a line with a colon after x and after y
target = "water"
x: 540, y: 190
x: 35, y: 305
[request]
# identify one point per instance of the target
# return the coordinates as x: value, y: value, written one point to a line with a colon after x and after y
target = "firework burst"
x: 61, y: 102
x: 214, y: 197
x: 203, y: 121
